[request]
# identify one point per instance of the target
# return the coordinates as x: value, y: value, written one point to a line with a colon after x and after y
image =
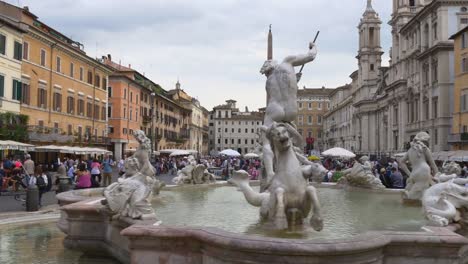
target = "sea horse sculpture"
x: 288, y: 199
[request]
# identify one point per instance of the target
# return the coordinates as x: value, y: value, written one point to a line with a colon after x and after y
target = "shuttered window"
x: 18, y: 51
x: 2, y: 85
x: 2, y: 44
x: 17, y: 90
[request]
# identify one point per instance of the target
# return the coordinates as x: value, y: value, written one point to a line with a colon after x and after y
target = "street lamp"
x: 153, y: 95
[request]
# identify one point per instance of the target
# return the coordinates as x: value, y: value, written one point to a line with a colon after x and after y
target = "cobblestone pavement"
x: 49, y: 202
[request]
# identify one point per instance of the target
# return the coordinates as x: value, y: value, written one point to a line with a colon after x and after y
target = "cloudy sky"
x: 216, y: 47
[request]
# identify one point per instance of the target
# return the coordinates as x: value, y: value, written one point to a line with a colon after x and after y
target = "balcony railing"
x: 48, y: 134
x: 458, y: 138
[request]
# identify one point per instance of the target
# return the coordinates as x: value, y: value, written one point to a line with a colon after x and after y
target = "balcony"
x: 146, y: 119
x: 458, y: 138
x: 48, y: 134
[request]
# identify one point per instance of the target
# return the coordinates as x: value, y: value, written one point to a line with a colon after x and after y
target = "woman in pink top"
x: 83, y: 177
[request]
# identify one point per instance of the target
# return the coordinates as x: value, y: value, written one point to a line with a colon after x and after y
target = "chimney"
x: 26, y: 8
x: 109, y: 57
x: 129, y: 65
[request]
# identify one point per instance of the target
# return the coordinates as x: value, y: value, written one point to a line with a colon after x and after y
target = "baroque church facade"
x: 383, y: 108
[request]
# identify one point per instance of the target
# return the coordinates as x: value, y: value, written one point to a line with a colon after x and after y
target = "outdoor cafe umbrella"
x: 179, y: 152
x: 230, y: 152
x: 250, y: 156
x: 338, y: 153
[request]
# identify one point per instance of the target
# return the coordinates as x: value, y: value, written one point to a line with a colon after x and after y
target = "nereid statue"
x: 194, y: 173
x: 360, y: 175
x: 131, y: 195
x: 423, y: 167
x: 447, y: 201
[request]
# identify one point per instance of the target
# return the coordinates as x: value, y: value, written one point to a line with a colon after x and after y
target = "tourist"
x: 41, y: 182
x: 386, y: 181
x: 107, y: 171
x: 83, y: 177
x: 396, y: 179
x: 71, y: 174
x: 337, y: 175
x: 95, y: 173
x: 29, y: 165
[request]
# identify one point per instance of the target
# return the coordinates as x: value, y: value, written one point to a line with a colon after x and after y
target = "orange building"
x: 63, y: 91
x: 136, y: 102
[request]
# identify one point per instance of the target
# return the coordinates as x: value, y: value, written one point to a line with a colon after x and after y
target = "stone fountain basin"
x: 89, y: 228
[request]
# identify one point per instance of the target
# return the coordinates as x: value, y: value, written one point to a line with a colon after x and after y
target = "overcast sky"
x: 216, y: 47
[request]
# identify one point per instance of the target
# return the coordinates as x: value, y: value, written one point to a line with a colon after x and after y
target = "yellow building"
x: 11, y: 39
x: 459, y: 134
x: 64, y: 91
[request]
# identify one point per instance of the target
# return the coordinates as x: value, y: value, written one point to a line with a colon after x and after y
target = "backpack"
x: 40, y: 182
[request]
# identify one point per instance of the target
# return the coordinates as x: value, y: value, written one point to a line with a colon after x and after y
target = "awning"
x: 10, y: 144
x: 72, y: 150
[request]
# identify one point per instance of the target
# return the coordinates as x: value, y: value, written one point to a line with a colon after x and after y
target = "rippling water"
x: 345, y: 213
x: 40, y: 244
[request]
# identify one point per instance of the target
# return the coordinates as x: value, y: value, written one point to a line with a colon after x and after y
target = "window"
x: 246, y: 141
x: 463, y: 101
x: 70, y: 129
x: 319, y: 106
x: 371, y: 37
x: 103, y: 113
x: 97, y: 81
x: 43, y: 58
x: 464, y: 66
x: 131, y: 97
x: 124, y: 131
x: 125, y: 112
x: 300, y: 119
x: 309, y: 106
x: 89, y: 109
x: 434, y: 31
x: 232, y: 130
x: 309, y: 120
x: 57, y: 103
x: 219, y: 141
x: 17, y: 89
x: 25, y: 51
x: 319, y: 119
x: 239, y: 141
x: 2, y: 85
x: 104, y: 83
x: 18, y: 51
x: 72, y: 70
x: 81, y: 107
x: 58, y: 64
x: 435, y: 111
x: 464, y: 40
x: 81, y: 73
x: 246, y: 130
x: 42, y: 98
x: 109, y: 111
x: 130, y: 115
x: 96, y: 112
x: 372, y: 67
x: 125, y: 93
x: 411, y: 2
x: 109, y: 92
x: 252, y: 141
x: 2, y: 44
x: 90, y: 77
x: 232, y: 141
x: 225, y: 141
x: 300, y: 105
x: 26, y: 93
x: 70, y: 104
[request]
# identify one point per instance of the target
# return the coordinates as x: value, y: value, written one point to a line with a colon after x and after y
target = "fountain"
x: 194, y: 173
x: 209, y: 223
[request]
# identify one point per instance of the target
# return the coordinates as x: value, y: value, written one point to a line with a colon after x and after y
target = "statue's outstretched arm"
x: 298, y: 60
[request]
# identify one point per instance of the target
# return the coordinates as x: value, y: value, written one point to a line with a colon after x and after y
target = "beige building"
x: 11, y: 48
x: 312, y: 104
x: 232, y: 129
x: 195, y: 127
x: 390, y: 105
x: 459, y: 134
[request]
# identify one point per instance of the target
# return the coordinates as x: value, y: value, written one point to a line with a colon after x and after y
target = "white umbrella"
x: 10, y: 144
x: 250, y: 156
x: 179, y: 152
x: 338, y: 152
x: 230, y: 152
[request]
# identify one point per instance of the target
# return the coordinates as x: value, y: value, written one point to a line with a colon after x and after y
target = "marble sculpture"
x: 131, y: 195
x: 447, y: 201
x: 194, y: 173
x: 360, y: 175
x: 288, y: 198
x: 423, y: 167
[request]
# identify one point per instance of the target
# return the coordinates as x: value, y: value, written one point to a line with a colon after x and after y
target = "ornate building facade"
x: 391, y: 104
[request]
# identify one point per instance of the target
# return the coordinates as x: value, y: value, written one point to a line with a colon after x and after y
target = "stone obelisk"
x: 270, y: 45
